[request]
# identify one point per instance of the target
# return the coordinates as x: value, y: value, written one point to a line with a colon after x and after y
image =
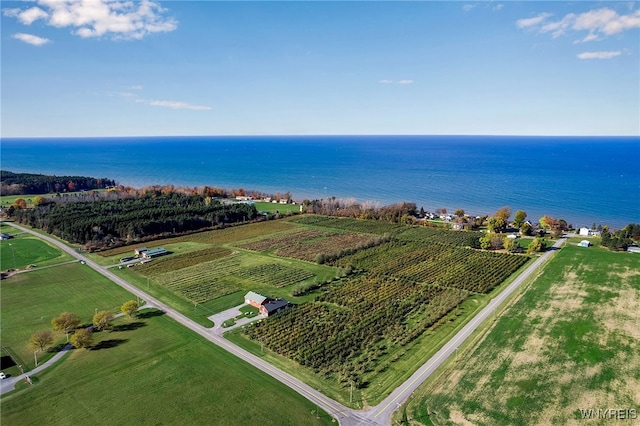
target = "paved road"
x: 9, y: 383
x: 378, y: 415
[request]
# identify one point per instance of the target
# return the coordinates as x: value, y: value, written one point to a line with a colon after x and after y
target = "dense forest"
x: 27, y: 183
x: 108, y: 222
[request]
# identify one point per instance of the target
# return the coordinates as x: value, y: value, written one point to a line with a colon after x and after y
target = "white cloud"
x: 136, y: 87
x: 468, y: 7
x: 31, y: 39
x: 397, y: 82
x: 176, y: 105
x: 599, y: 23
x: 530, y: 22
x: 498, y: 6
x: 600, y: 55
x: 27, y: 16
x: 100, y: 18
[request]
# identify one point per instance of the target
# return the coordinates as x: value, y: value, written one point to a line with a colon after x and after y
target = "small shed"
x: 633, y: 249
x: 584, y: 243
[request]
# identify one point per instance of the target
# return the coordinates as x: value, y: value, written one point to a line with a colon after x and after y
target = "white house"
x: 584, y: 232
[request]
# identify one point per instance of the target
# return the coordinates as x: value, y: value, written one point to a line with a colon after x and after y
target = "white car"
x: 2, y: 375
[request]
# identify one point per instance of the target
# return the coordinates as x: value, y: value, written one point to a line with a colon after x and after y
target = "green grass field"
x: 276, y: 207
x: 569, y: 342
x: 148, y: 369
x: 31, y: 299
x: 24, y: 250
x: 154, y: 372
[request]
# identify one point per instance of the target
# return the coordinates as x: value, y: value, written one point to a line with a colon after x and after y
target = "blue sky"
x: 112, y: 68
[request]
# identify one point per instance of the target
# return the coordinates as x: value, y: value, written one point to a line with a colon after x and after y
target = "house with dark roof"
x: 274, y: 306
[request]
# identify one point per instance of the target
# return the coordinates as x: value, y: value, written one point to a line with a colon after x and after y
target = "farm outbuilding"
x: 140, y: 250
x: 584, y: 243
x: 156, y: 252
x: 255, y: 299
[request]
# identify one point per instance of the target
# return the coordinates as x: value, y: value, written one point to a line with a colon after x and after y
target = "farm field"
x: 31, y: 299
x: 570, y: 342
x: 372, y: 327
x: 24, y: 250
x: 153, y: 370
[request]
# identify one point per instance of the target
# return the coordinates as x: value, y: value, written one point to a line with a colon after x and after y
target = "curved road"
x: 378, y: 415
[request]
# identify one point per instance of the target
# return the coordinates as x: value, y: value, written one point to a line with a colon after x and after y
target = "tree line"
x: 29, y: 183
x: 621, y: 239
x: 108, y: 222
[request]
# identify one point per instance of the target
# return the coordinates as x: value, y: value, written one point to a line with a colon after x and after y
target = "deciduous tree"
x: 20, y: 203
x: 82, y: 338
x: 537, y: 245
x: 129, y: 307
x: 459, y: 213
x: 66, y: 322
x: 40, y: 340
x: 101, y: 320
x: 519, y: 218
x: 504, y: 213
x: 496, y: 223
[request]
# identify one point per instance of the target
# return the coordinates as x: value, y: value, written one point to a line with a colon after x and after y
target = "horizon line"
x: 327, y: 135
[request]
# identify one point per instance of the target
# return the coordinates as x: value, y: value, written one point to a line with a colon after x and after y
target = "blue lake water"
x: 580, y: 179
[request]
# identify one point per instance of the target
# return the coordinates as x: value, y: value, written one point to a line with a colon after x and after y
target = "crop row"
x: 240, y: 233
x: 344, y: 342
x: 349, y: 224
x: 330, y: 246
x: 283, y: 240
x: 174, y: 263
x: 203, y: 282
x: 438, y: 235
x: 274, y: 274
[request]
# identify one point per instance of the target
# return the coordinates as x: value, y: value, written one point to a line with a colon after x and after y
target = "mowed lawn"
x: 31, y: 299
x: 25, y: 250
x: 154, y: 371
x: 571, y: 342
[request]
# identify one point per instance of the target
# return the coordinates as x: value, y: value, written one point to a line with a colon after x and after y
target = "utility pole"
x: 351, y: 394
x: 35, y: 356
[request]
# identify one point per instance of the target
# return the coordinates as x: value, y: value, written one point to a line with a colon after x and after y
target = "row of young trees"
x: 28, y: 183
x: 105, y: 221
x: 68, y: 323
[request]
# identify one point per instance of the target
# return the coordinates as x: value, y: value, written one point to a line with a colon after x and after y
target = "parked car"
x: 2, y: 375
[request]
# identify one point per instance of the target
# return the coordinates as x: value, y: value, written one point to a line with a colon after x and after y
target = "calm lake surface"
x: 580, y: 179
